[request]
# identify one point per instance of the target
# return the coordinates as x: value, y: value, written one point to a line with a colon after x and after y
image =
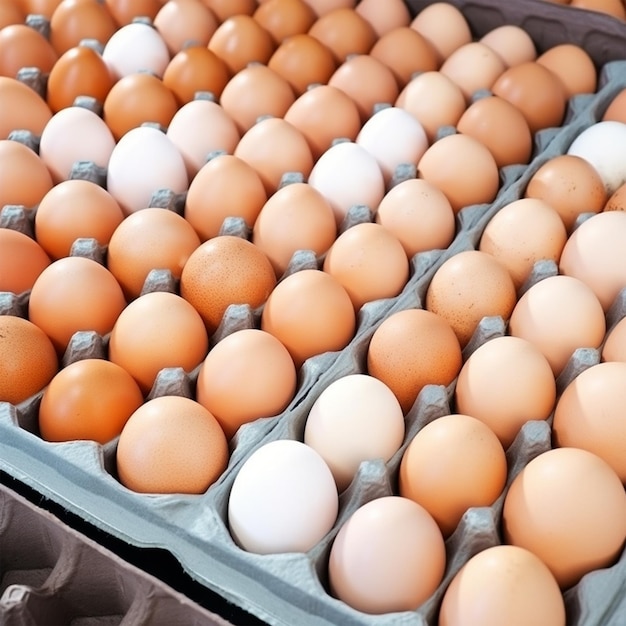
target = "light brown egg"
x: 614, y: 345
x: 395, y: 14
x: 40, y: 7
x: 616, y: 110
x: 146, y: 240
x: 255, y: 92
x: 11, y: 13
x: 228, y: 8
x: 411, y: 349
x: 222, y: 271
x: 617, y: 200
x: 321, y: 7
x: 22, y: 259
x: 22, y: 108
x: 284, y: 18
x: 125, y: 11
x: 258, y: 148
x: 296, y: 217
x: 302, y: 60
x: 614, y: 8
x: 573, y: 65
x: 22, y: 46
x: 469, y: 286
x: 512, y: 43
x: 463, y: 168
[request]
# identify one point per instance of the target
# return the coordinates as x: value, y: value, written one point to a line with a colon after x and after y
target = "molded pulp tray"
x: 291, y: 588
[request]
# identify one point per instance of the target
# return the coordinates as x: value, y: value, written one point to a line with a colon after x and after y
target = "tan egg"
x: 453, y: 463
x: 469, y: 286
x: 302, y: 61
x: 296, y: 217
x: 501, y: 127
x: 395, y: 14
x: 224, y: 187
x: 558, y: 315
x: 22, y: 259
x: 24, y: 177
x: 73, y: 294
x: 200, y: 128
x: 569, y: 184
x: 617, y: 200
x: 240, y: 40
x: 573, y: 65
x: 323, y: 114
x: 321, y: 7
x: 227, y: 8
x: 75, y: 209
x: 614, y: 8
x: 614, y: 345
x: 536, y: 91
x: 463, y: 168
x: 405, y: 52
x: 155, y: 331
x: 11, y: 13
x: 193, y: 70
x: 125, y: 11
x: 411, y: 349
x: 473, y: 66
x: 512, y: 43
x: 434, y: 100
x: 284, y: 18
x: 246, y: 376
x: 344, y: 32
x: 40, y: 7
x: 185, y: 22
x: 369, y: 261
x: 310, y: 313
x: 171, y: 444
x: 444, y: 26
x: 150, y: 239
x: 419, y: 215
x: 22, y: 46
x: 222, y: 271
x: 258, y: 148
x: 616, y: 110
x: 255, y: 92
x: 22, y: 108
x: 523, y: 232
x: 367, y: 81
x: 506, y: 382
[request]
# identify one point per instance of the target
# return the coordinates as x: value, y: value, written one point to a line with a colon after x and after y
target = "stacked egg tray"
x: 292, y: 588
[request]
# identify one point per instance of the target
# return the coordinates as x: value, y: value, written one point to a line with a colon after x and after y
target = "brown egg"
x: 11, y: 13
x: 468, y: 286
x: 171, y: 444
x: 228, y: 8
x: 473, y: 66
x: 80, y: 71
x: 73, y: 209
x: 367, y: 81
x: 255, y: 92
x: 323, y: 114
x: 296, y: 217
x: 310, y: 313
x: 224, y: 187
x: 321, y: 7
x: 185, y: 22
x: 302, y: 60
x: 125, y: 11
x: 405, y: 52
x: 501, y: 127
x: 614, y: 8
x: 22, y: 46
x: 536, y: 91
x: 616, y: 109
x: 411, y: 349
x: 136, y: 99
x: 149, y: 239
x: 257, y: 148
x: 283, y: 18
x: 24, y: 177
x: 573, y: 65
x: 395, y: 14
x: 512, y: 43
x: 463, y: 168
x: 614, y: 345
x: 344, y: 32
x: 569, y: 184
x: 240, y: 40
x: 40, y: 7
x: 22, y: 259
x: 226, y: 270
x: 617, y: 201
x: 22, y: 108
x: 75, y: 20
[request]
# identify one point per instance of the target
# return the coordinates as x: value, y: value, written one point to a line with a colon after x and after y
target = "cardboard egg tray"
x: 284, y: 589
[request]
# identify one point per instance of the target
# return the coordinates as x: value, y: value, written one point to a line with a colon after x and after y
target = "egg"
x: 11, y: 13
x: 567, y: 506
x: 411, y: 349
x: 22, y: 108
x: 558, y: 315
x: 512, y: 43
x: 88, y: 399
x: 396, y: 14
x: 310, y: 313
x: 125, y: 12
x: 608, y: 7
x: 30, y: 360
x: 616, y: 201
x: 403, y: 549
x: 22, y: 259
x: 468, y: 286
x: 22, y: 46
x: 185, y: 22
x: 256, y: 357
x: 354, y: 419
x: 283, y: 18
x: 227, y: 8
x: 283, y: 499
x: 226, y: 270
x: 616, y: 109
x: 453, y: 463
x: 614, y: 345
x: 574, y: 67
x: 171, y: 444
x: 506, y: 382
